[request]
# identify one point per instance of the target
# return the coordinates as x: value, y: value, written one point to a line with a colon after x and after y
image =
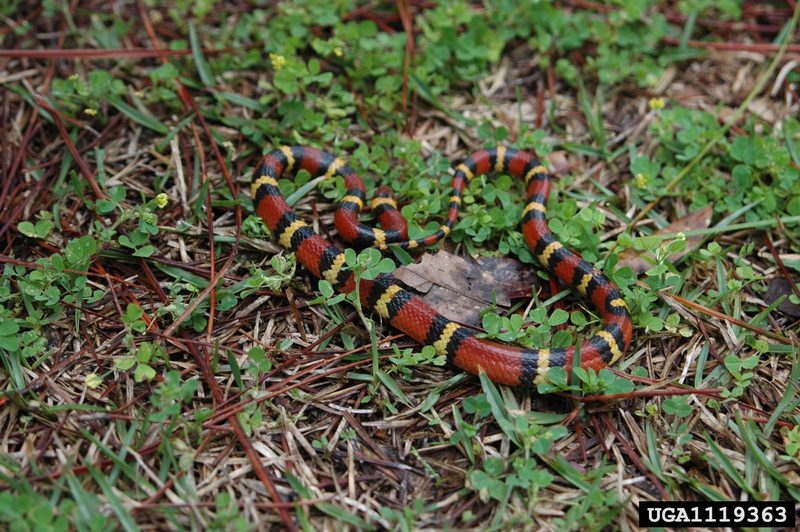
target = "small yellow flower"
x: 73, y: 77
x: 338, y: 52
x: 641, y: 180
x: 162, y: 200
x: 656, y: 104
x: 89, y: 111
x: 277, y: 61
x: 93, y: 380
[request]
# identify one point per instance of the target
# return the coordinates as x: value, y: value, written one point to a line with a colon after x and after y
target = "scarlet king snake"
x: 502, y: 363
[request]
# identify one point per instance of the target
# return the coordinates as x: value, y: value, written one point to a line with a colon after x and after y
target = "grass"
x: 165, y: 365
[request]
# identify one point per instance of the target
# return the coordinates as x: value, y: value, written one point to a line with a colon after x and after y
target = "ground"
x: 165, y: 364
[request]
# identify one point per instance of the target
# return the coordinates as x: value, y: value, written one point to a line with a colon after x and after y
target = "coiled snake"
x: 502, y: 363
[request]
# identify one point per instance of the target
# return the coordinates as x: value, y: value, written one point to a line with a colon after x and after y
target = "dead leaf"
x: 692, y: 222
x: 460, y: 288
x: 782, y: 287
x: 558, y: 163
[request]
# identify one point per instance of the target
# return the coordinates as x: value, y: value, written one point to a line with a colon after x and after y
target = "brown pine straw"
x: 731, y: 319
x: 100, y: 53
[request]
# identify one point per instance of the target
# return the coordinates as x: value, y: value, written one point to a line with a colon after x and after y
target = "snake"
x: 461, y: 345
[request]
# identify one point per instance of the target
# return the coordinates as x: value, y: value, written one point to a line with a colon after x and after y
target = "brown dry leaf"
x: 694, y: 221
x: 558, y: 162
x: 460, y: 288
x: 782, y: 287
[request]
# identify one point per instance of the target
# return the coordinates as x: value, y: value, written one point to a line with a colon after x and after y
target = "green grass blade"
x: 199, y: 60
x: 724, y: 463
x: 145, y: 119
x: 750, y: 439
x: 788, y: 397
x: 568, y: 471
x: 179, y: 274
x: 87, y: 503
x: 653, y: 458
x: 118, y: 460
x: 125, y: 518
x: 341, y: 514
x: 498, y: 408
x: 238, y: 99
x: 235, y: 371
x: 303, y: 189
x: 393, y: 387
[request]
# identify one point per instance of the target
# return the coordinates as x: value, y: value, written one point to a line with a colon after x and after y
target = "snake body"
x: 504, y: 364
